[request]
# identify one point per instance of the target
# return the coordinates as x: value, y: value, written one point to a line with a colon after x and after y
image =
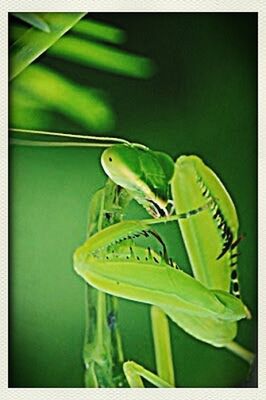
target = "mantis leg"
x: 162, y: 345
x: 210, y: 238
x: 241, y: 352
x: 97, y: 355
x: 134, y: 372
x: 163, y: 353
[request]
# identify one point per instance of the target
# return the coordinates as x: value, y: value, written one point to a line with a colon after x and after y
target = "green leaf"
x: 97, y: 55
x: 33, y: 19
x: 59, y: 94
x: 34, y: 42
x: 100, y: 31
x: 25, y: 111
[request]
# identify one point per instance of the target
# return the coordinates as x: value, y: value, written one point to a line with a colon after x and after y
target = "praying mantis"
x: 116, y: 262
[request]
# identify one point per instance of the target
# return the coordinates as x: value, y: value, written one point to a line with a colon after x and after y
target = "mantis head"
x: 144, y: 173
x: 121, y: 163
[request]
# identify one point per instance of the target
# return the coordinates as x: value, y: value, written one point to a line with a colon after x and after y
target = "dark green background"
x: 201, y: 100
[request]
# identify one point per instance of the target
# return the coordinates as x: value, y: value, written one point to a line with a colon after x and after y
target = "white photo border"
x: 258, y: 6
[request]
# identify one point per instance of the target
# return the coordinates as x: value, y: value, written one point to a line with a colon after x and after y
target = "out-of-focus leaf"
x: 102, y: 57
x: 18, y: 99
x: 60, y: 94
x: 92, y: 29
x: 100, y: 31
x: 16, y: 31
x: 33, y: 19
x: 34, y: 42
x: 27, y: 111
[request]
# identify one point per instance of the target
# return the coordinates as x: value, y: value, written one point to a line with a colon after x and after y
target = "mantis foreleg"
x: 143, y: 275
x: 126, y: 276
x: 211, y: 240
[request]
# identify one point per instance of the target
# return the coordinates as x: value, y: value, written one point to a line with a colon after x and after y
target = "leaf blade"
x: 102, y: 57
x: 33, y: 19
x: 33, y: 43
x: 100, y: 31
x: 83, y: 105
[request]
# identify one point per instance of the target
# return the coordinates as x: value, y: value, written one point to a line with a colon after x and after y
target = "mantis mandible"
x: 113, y: 261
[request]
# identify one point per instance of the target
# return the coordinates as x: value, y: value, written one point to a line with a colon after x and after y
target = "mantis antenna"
x: 102, y: 140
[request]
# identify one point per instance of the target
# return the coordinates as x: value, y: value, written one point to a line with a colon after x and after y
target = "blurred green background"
x: 200, y: 97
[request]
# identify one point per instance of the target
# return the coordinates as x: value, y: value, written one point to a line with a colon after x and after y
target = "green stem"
x: 241, y: 351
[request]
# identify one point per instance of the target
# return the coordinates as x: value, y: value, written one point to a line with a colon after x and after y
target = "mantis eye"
x: 110, y: 159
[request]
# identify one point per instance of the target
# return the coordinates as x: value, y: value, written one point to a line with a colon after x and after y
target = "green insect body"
x: 154, y: 181
x: 203, y: 307
x: 209, y: 236
x: 207, y: 306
